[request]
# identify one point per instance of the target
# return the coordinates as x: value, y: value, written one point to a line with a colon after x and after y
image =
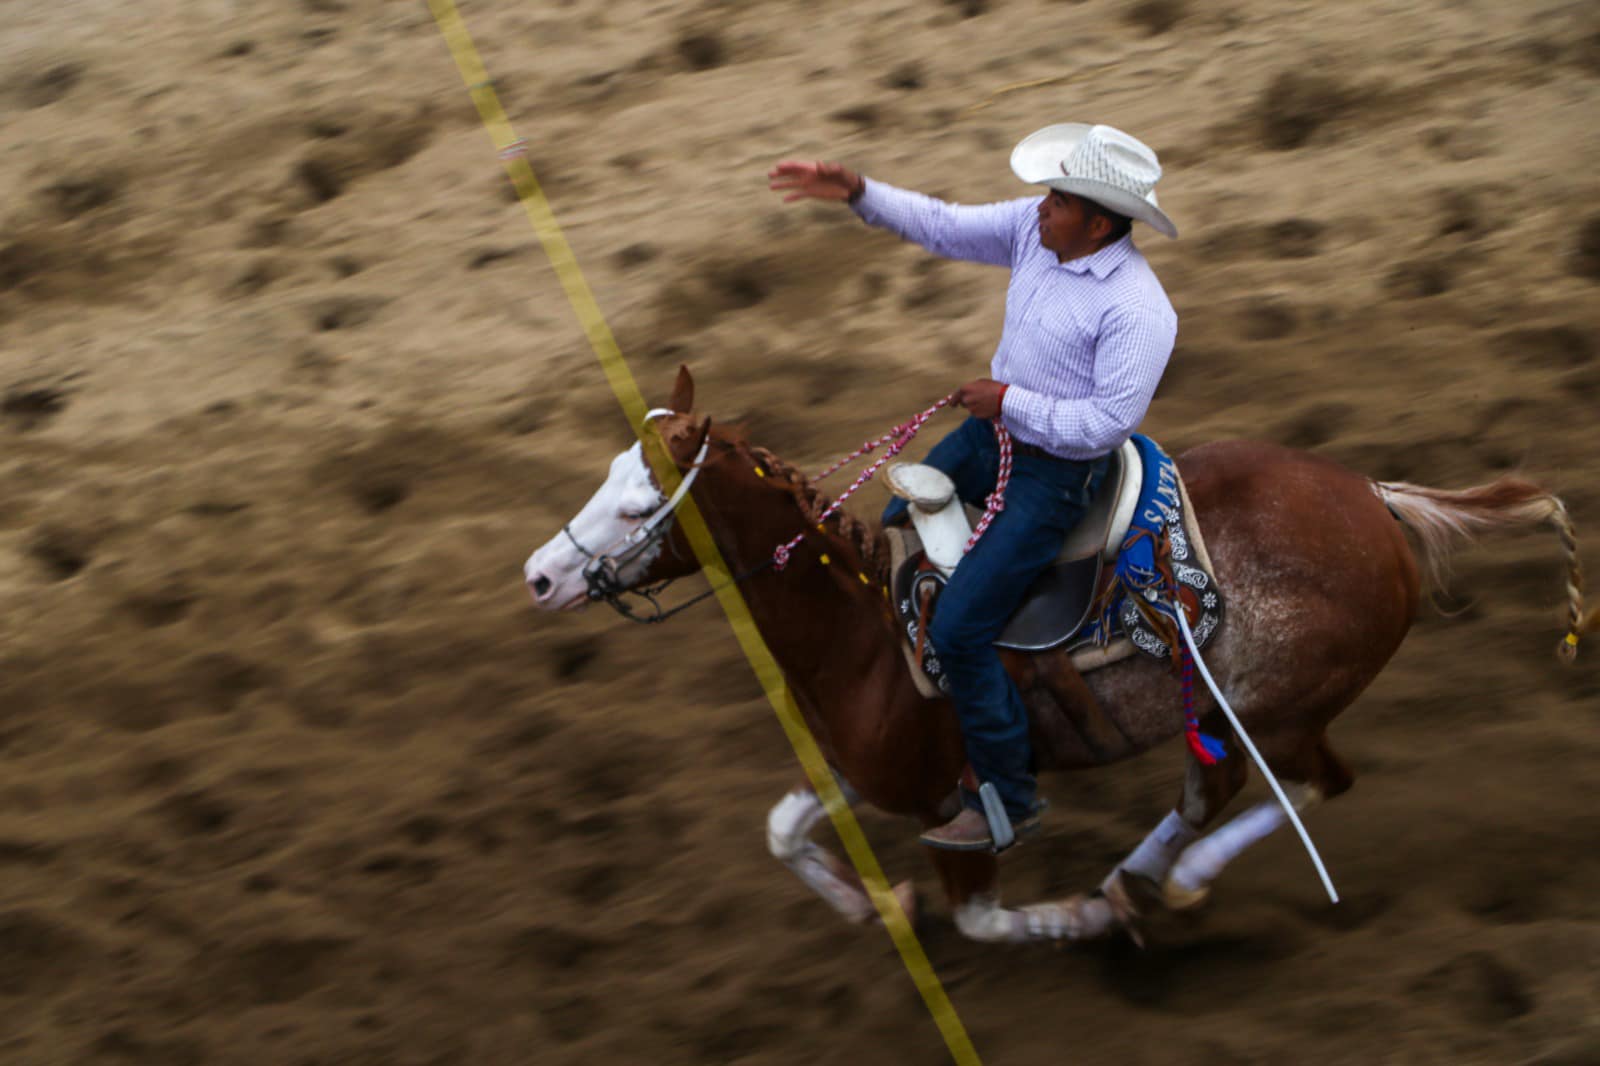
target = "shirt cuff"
x: 1021, y: 409
x: 869, y: 207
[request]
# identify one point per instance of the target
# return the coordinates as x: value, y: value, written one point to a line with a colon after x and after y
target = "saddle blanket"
x: 1130, y: 612
x: 1139, y: 587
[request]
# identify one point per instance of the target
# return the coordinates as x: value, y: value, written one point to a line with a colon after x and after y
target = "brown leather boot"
x: 969, y: 831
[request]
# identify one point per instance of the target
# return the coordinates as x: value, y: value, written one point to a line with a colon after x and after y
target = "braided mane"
x: 868, y: 542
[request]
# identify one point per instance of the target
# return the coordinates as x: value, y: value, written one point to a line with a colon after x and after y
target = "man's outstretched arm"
x: 983, y: 234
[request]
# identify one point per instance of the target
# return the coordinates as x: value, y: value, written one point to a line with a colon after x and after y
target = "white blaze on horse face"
x: 622, y: 503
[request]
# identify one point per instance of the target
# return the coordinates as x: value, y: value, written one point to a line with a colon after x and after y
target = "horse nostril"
x: 540, y: 585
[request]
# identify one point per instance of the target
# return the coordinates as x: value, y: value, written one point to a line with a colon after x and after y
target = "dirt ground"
x: 290, y: 772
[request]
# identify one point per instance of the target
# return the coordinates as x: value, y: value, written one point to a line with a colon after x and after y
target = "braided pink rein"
x: 897, y: 438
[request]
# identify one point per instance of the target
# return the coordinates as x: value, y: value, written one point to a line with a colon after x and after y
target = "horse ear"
x: 682, y: 399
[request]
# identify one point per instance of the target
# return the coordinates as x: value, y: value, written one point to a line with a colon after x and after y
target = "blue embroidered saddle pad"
x: 1141, y: 585
x: 1079, y: 603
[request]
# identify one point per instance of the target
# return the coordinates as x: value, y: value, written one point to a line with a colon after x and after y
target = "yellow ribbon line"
x: 744, y: 627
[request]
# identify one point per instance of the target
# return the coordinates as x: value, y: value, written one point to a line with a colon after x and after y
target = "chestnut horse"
x: 1321, y: 583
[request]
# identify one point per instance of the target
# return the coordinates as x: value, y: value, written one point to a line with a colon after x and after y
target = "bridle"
x: 602, y: 574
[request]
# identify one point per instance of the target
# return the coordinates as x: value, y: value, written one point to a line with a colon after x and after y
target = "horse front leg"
x: 789, y: 826
x: 969, y: 882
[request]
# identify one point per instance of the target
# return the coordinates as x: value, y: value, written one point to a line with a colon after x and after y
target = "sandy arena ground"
x: 290, y: 772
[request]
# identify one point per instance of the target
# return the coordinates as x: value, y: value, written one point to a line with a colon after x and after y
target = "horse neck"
x: 812, y: 614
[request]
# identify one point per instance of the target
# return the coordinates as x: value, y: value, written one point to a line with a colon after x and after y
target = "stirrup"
x: 994, y: 810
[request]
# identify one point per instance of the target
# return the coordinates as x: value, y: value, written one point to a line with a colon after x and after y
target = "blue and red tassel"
x: 1208, y: 749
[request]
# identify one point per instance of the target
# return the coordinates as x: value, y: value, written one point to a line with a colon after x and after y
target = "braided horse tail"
x: 1442, y: 519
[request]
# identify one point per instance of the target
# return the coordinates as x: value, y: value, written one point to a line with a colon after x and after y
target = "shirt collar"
x: 1103, y: 262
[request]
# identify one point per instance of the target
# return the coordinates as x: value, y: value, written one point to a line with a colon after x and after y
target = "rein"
x: 602, y: 574
x: 897, y: 438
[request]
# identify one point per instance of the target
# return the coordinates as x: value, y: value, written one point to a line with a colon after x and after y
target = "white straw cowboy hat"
x: 1099, y: 163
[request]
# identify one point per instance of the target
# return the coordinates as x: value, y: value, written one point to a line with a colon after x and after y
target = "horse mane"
x: 868, y: 542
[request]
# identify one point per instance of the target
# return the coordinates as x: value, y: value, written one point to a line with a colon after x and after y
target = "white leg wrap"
x: 790, y: 822
x: 1205, y: 859
x: 1157, y: 852
x: 982, y: 918
x: 788, y: 828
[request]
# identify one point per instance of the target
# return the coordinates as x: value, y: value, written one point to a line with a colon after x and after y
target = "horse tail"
x: 1443, y: 519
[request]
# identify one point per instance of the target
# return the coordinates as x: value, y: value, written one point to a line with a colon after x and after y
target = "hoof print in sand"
x: 345, y: 312
x: 1457, y: 144
x: 61, y: 551
x: 1466, y: 212
x: 570, y: 658
x: 906, y: 77
x: 401, y: 870
x: 124, y: 1045
x: 1419, y: 279
x: 862, y: 116
x: 487, y: 256
x: 42, y: 954
x: 595, y: 882
x: 1485, y: 989
x: 196, y: 814
x: 348, y: 150
x: 30, y: 407
x: 1558, y: 347
x: 1292, y: 110
x: 1266, y: 320
x: 554, y: 948
x: 1155, y: 17
x: 1293, y: 238
x: 41, y: 88
x: 277, y: 969
x: 160, y: 607
x: 257, y: 277
x: 223, y: 679
x: 71, y: 197
x: 635, y: 255
x: 1316, y: 426
x: 715, y: 289
x: 701, y: 50
x: 1584, y: 261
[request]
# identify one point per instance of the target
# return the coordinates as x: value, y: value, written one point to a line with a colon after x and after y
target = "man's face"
x: 1066, y: 229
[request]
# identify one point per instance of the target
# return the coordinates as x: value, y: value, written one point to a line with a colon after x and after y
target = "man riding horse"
x: 1088, y: 332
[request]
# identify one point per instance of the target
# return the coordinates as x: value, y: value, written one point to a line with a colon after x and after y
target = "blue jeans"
x: 1045, y: 499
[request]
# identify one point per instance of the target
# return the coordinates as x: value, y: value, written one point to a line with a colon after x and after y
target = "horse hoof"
x: 1123, y: 894
x: 906, y: 893
x: 1182, y: 898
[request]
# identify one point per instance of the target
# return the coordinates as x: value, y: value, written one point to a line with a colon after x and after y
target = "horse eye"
x: 635, y: 516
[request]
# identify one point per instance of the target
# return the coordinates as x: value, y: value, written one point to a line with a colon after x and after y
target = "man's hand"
x: 814, y: 181
x: 981, y: 398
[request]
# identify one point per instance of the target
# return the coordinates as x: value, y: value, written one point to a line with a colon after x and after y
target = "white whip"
x: 1244, y: 738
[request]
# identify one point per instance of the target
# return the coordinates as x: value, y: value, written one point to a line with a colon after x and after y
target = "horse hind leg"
x: 1136, y: 882
x: 789, y: 826
x: 1313, y: 774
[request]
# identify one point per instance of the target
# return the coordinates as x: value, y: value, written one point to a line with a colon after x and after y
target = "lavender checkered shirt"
x: 1084, y: 342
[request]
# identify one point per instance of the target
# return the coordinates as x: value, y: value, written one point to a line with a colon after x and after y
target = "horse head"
x: 616, y: 543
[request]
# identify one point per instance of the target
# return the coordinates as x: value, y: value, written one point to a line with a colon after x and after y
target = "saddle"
x: 1141, y: 499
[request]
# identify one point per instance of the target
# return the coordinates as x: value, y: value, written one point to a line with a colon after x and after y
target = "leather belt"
x: 1037, y: 452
